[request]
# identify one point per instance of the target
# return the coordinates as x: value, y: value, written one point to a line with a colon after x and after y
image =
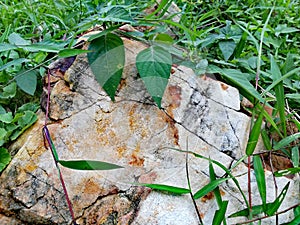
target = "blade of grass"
x: 220, y: 214
x: 254, y: 135
x: 260, y: 180
x: 286, y: 141
x: 167, y: 188
x: 209, y: 187
x: 273, y: 207
x: 227, y: 171
x: 279, y: 93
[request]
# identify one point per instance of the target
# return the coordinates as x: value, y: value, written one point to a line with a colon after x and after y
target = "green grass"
x: 252, y: 45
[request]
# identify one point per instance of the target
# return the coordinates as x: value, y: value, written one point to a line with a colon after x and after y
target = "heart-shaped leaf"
x: 107, y: 59
x: 154, y: 65
x: 27, y: 81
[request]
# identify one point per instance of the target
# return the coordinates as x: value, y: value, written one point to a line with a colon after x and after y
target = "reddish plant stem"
x: 47, y: 137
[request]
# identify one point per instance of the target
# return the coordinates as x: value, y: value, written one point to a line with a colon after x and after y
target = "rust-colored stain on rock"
x: 91, y: 187
x: 136, y: 160
x: 224, y: 86
x: 207, y: 197
x: 175, y: 94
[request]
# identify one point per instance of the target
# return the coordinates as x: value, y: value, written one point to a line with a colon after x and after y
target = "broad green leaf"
x: 71, y: 52
x: 279, y: 93
x: 107, y: 59
x: 227, y: 48
x: 287, y: 172
x: 293, y: 96
x: 9, y: 91
x: 154, y: 66
x: 6, y: 47
x: 220, y: 214
x: 6, y: 117
x: 88, y: 165
x: 16, y: 39
x: 273, y: 207
x: 4, y: 158
x: 295, y: 156
x: 15, y: 62
x: 239, y: 80
x: 260, y: 179
x: 167, y: 188
x: 254, y: 135
x: 27, y: 81
x: 209, y: 187
x: 286, y: 141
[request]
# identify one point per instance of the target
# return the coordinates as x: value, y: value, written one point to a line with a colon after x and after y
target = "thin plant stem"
x: 189, y: 185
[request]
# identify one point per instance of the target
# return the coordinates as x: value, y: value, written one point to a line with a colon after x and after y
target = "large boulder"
x: 198, y: 114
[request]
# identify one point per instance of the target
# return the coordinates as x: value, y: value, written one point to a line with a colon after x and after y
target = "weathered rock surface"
x: 198, y: 114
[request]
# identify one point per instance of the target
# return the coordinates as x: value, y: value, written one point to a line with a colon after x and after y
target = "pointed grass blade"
x: 88, y: 165
x: 220, y: 214
x: 260, y: 179
x: 254, y: 135
x: 167, y: 188
x: 209, y: 187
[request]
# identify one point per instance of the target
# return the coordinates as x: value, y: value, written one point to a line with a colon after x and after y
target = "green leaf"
x: 24, y: 121
x: 7, y: 47
x: 117, y: 14
x: 154, y: 66
x: 295, y: 156
x: 4, y: 158
x: 227, y: 48
x: 273, y: 207
x: 220, y: 214
x: 284, y: 29
x: 92, y: 37
x: 167, y: 188
x: 9, y: 91
x: 3, y: 136
x: 107, y: 59
x: 88, y: 165
x: 279, y: 93
x: 6, y: 117
x: 287, y: 172
x: 254, y: 135
x: 256, y: 210
x: 241, y: 45
x: 45, y: 46
x: 15, y: 62
x: 71, y: 52
x: 260, y: 180
x: 295, y: 221
x: 209, y: 187
x: 27, y: 81
x: 212, y: 177
x: 286, y: 141
x: 16, y: 39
